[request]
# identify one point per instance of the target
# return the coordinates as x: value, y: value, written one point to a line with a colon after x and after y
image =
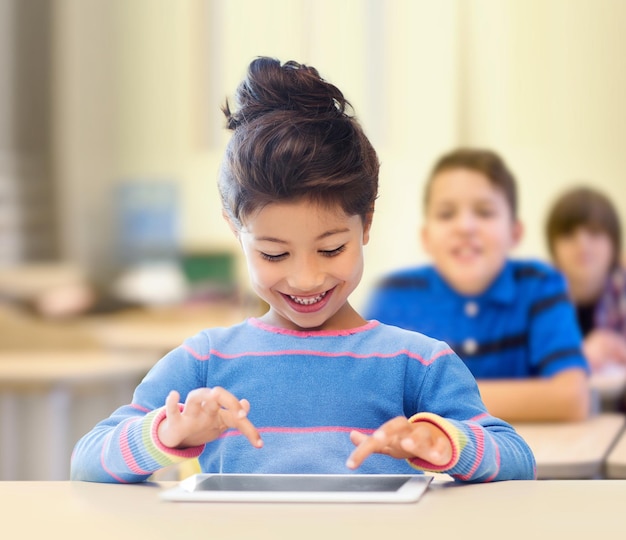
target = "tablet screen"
x: 301, y: 483
x: 299, y: 488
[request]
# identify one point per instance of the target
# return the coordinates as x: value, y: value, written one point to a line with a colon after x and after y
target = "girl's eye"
x: 333, y: 252
x: 273, y: 258
x: 485, y: 212
x: 444, y: 214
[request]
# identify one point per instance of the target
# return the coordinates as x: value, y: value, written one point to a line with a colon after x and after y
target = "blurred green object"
x: 210, y: 274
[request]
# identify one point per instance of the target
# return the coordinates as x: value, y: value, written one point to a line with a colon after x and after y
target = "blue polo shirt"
x: 522, y: 326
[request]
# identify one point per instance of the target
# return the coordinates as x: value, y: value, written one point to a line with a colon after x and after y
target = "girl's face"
x: 305, y: 260
x: 584, y: 256
x: 468, y: 230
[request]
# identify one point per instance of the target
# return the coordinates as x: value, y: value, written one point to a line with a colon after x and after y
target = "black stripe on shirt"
x: 556, y: 356
x: 404, y: 283
x: 524, y: 272
x: 547, y: 303
x: 493, y: 347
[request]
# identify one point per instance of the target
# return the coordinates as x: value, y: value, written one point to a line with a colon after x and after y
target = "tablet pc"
x: 299, y: 488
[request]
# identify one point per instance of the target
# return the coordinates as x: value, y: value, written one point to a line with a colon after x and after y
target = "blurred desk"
x: 162, y: 329
x: 21, y: 329
x: 40, y: 404
x: 157, y: 329
x: 616, y: 462
x: 516, y: 510
x: 572, y: 449
x: 58, y: 378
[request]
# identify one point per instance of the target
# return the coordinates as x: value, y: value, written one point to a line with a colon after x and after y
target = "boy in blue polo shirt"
x: 509, y: 320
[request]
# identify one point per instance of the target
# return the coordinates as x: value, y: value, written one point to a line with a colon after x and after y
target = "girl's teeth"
x: 309, y: 300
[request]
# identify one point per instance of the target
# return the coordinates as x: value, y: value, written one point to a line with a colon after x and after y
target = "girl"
x: 584, y: 238
x: 310, y: 387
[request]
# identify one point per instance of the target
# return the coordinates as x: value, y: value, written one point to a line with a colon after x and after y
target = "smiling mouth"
x: 308, y: 300
x: 466, y: 251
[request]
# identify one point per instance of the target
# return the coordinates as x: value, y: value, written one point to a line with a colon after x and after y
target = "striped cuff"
x: 170, y: 455
x: 454, y: 436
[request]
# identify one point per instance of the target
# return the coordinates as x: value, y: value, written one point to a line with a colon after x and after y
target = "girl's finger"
x: 375, y: 443
x: 357, y: 437
x: 249, y: 431
x: 226, y: 400
x: 245, y: 405
x: 234, y: 414
x: 379, y: 442
x: 171, y: 404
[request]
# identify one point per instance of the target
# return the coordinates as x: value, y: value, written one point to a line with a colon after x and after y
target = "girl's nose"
x: 582, y: 236
x: 306, y: 275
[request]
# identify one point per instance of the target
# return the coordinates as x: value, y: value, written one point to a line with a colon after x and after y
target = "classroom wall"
x: 138, y: 89
x: 545, y: 83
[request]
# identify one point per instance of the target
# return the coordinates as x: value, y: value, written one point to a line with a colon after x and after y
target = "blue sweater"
x: 522, y: 326
x: 307, y: 391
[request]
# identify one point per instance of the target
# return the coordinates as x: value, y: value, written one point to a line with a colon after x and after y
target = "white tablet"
x: 349, y: 488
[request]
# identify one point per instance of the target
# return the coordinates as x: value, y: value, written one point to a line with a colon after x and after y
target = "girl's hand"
x: 207, y: 413
x: 602, y: 347
x: 402, y: 439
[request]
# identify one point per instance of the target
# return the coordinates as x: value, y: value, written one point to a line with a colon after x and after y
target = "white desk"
x: 616, y: 461
x: 49, y: 399
x: 514, y: 510
x: 572, y: 449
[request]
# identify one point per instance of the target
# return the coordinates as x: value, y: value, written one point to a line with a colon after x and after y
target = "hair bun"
x: 270, y: 87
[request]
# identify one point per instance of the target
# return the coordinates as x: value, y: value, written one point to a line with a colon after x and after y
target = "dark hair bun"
x: 270, y: 86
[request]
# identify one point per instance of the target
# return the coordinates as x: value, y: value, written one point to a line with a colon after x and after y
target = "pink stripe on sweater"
x: 490, y: 479
x: 317, y: 429
x: 479, y: 417
x: 304, y: 352
x: 308, y: 333
x: 106, y: 469
x: 139, y: 407
x: 480, y: 451
x: 127, y: 453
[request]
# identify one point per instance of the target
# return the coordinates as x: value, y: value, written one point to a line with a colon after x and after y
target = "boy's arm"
x: 562, y: 397
x: 558, y: 389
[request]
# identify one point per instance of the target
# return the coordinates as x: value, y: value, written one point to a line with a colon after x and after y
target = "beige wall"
x: 545, y: 85
x: 138, y: 86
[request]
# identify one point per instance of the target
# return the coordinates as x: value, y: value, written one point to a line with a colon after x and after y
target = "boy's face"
x: 584, y: 256
x: 468, y: 229
x: 305, y: 260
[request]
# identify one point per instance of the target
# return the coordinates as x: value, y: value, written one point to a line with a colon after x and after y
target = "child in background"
x: 584, y: 238
x: 509, y: 320
x: 309, y: 387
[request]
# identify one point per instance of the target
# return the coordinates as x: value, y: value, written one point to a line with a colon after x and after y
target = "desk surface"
x: 515, y: 510
x: 616, y: 462
x: 573, y: 449
x: 37, y: 368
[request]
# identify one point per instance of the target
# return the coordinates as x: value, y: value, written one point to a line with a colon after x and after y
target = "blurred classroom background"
x: 105, y: 97
x: 111, y: 136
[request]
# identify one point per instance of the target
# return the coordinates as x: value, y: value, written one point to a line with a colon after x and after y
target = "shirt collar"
x: 501, y: 291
